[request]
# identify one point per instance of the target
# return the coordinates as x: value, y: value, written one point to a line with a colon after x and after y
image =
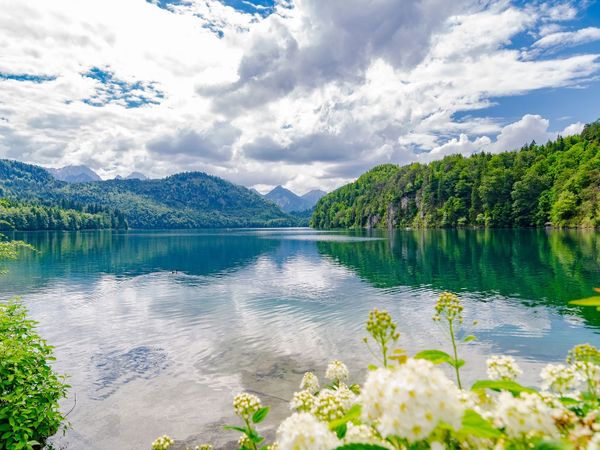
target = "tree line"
x: 555, y: 184
x: 65, y: 215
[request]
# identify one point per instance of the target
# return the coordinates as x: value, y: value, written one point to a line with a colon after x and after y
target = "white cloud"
x: 568, y: 38
x: 308, y: 97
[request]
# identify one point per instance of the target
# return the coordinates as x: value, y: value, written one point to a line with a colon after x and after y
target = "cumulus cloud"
x: 308, y: 95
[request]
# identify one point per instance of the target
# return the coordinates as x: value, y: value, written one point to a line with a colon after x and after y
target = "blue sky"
x: 304, y: 93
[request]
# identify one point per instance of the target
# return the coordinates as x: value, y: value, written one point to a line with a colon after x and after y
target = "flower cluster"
x: 245, y: 405
x: 380, y: 325
x: 525, y: 415
x: 303, y: 431
x: 310, y: 382
x: 448, y: 307
x: 162, y: 443
x: 337, y: 371
x: 364, y: 434
x: 560, y: 378
x: 503, y: 368
x: 303, y: 401
x: 411, y: 401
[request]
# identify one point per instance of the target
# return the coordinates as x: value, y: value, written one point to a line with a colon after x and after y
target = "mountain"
x: 554, y: 184
x: 312, y: 197
x: 75, y: 174
x: 287, y: 200
x: 185, y: 200
x: 136, y: 176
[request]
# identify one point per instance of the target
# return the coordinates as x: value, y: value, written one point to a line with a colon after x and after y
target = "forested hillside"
x: 185, y: 200
x: 553, y: 184
x: 23, y: 216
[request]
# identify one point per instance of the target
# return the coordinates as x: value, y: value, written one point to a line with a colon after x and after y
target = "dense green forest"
x: 554, y: 184
x: 25, y: 216
x: 185, y: 200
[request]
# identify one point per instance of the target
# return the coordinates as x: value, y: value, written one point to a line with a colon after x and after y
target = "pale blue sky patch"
x: 114, y: 90
x: 26, y: 77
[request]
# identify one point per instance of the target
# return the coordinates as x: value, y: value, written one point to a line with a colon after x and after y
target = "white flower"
x: 363, y: 434
x: 590, y: 373
x: 411, y: 400
x: 345, y: 395
x: 328, y: 406
x: 310, y: 383
x: 525, y: 415
x: 503, y: 368
x: 560, y: 378
x: 337, y: 370
x: 302, y: 401
x: 162, y: 443
x: 303, y: 431
x: 245, y: 405
x: 437, y: 446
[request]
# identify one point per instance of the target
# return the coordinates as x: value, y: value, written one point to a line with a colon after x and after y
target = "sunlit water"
x: 159, y: 330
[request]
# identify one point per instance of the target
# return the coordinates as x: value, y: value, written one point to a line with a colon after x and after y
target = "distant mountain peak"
x: 288, y: 201
x: 74, y: 174
x: 314, y: 196
x: 136, y: 176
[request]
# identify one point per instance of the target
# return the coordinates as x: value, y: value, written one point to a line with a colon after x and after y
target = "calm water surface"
x: 159, y: 330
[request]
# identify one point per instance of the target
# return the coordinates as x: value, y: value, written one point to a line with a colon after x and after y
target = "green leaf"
x: 341, y: 431
x: 234, y: 428
x: 469, y: 338
x: 372, y: 367
x: 501, y: 385
x: 475, y: 425
x: 352, y: 414
x: 435, y: 356
x: 458, y: 363
x: 361, y: 447
x: 568, y: 401
x: 552, y: 445
x: 590, y: 301
x: 260, y: 415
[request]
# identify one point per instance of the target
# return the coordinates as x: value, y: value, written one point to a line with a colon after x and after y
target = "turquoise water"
x: 159, y: 330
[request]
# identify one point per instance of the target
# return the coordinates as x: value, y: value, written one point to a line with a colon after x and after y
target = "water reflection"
x: 152, y: 351
x: 536, y: 266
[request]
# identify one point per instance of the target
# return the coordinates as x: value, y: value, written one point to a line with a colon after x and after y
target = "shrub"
x: 29, y: 388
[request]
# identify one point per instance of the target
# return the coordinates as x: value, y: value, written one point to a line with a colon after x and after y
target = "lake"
x: 159, y: 330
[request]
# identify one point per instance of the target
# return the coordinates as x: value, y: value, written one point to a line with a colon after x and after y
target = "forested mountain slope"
x: 185, y: 200
x: 553, y: 184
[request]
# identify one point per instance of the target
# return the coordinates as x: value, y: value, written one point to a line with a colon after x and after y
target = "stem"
x: 248, y: 428
x: 455, y: 354
x: 384, y: 351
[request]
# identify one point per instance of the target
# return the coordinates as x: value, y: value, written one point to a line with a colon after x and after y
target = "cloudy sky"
x: 304, y: 93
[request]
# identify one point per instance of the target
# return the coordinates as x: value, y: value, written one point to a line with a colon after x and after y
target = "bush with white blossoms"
x: 411, y: 403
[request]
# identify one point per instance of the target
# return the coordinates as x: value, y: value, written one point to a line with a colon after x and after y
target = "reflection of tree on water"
x: 87, y: 254
x: 549, y: 267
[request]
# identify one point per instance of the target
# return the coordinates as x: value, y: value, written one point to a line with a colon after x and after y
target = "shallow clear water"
x: 159, y: 330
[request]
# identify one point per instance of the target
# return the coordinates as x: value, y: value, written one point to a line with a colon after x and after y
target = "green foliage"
x: 185, y: 200
x: 558, y: 182
x: 29, y: 389
x: 28, y: 216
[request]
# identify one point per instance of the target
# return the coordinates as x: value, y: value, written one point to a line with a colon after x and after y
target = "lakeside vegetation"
x: 410, y: 403
x: 30, y: 390
x: 554, y: 184
x: 67, y: 216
